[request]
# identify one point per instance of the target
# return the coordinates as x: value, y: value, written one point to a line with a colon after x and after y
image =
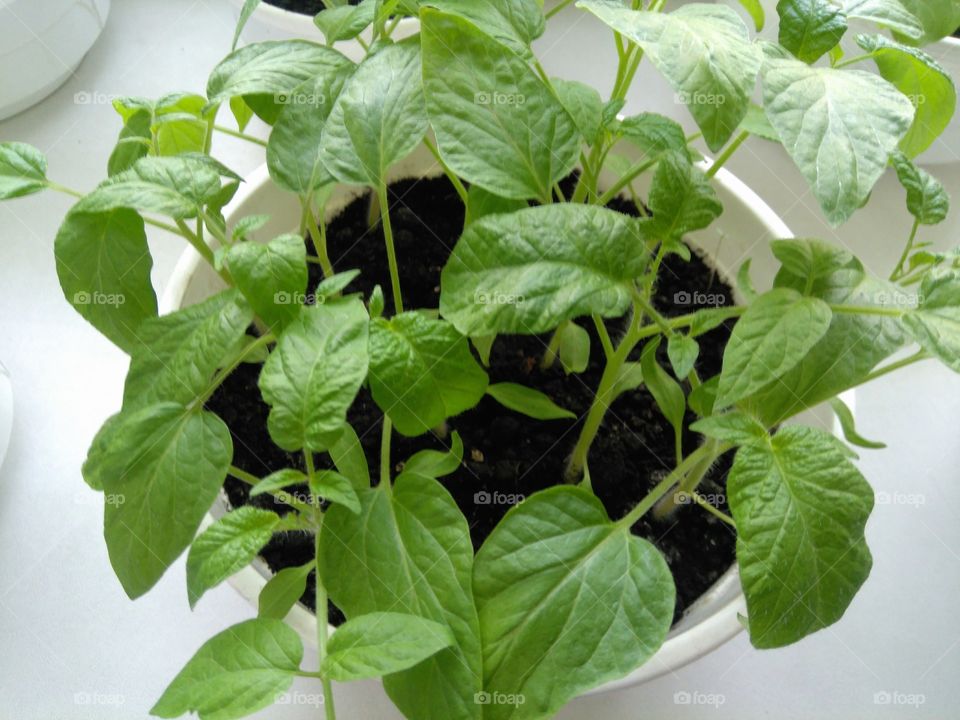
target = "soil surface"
x: 506, y: 455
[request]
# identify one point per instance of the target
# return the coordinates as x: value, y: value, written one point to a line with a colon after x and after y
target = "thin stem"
x: 203, y: 249
x: 318, y: 236
x: 627, y: 178
x: 391, y: 251
x: 320, y: 604
x: 727, y: 154
x: 550, y: 355
x: 855, y: 59
x: 865, y: 310
x: 281, y: 497
x: 663, y: 487
x: 560, y: 6
x: 898, y: 270
x: 240, y: 135
x: 898, y: 365
x: 218, y: 379
x: 716, y: 512
x: 608, y: 349
x: 385, y: 437
x: 64, y: 189
x: 452, y: 176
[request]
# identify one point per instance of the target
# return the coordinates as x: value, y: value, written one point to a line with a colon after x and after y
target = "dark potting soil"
x: 506, y: 455
x: 304, y: 7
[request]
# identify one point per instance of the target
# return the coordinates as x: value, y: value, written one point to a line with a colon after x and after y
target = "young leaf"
x: 378, y: 118
x: 104, y: 265
x: 810, y: 28
x: 23, y: 170
x: 409, y: 551
x: 278, y: 481
x: 235, y: 673
x: 348, y: 457
x: 382, y: 643
x: 293, y: 151
x: 654, y: 135
x: 892, y: 14
x: 629, y: 378
x: 377, y: 302
x: 225, y: 547
x: 514, y: 273
x: 734, y: 426
x: 246, y: 12
x: 681, y: 198
x: 481, y: 203
x: 755, y: 9
x: 756, y: 123
x: 703, y: 397
x: 927, y: 200
x: 584, y: 105
x: 810, y: 259
x: 683, y: 352
x: 330, y: 287
x: 314, y: 373
x: 574, y: 349
x: 497, y: 125
x: 134, y: 142
x: 282, y: 591
x: 839, y: 126
x: 555, y: 562
x: 270, y: 68
x: 334, y: 487
x: 745, y: 282
x: 935, y: 324
x: 665, y: 390
x: 435, y: 464
x: 704, y: 52
x: 422, y: 371
x: 920, y: 78
x: 175, y: 356
x: 798, y: 496
x: 167, y: 463
x: 937, y: 19
x: 513, y: 23
x: 848, y: 425
x: 273, y: 277
x: 773, y: 336
x: 346, y: 21
x: 528, y: 401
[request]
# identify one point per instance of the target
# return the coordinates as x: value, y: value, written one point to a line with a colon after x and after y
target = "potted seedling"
x: 461, y: 408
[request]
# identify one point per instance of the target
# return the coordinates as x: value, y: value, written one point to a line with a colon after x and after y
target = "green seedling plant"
x: 561, y: 597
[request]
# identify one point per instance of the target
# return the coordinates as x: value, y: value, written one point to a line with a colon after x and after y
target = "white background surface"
x: 73, y: 647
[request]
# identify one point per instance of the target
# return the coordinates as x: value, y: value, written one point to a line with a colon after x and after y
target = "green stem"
x: 866, y: 310
x: 898, y: 270
x: 391, y: 251
x: 318, y: 235
x: 322, y: 621
x: 451, y: 175
x: 898, y: 365
x: 240, y: 135
x: 853, y: 60
x: 727, y: 154
x: 218, y: 379
x: 560, y: 6
x: 716, y: 512
x: 203, y: 249
x: 550, y: 356
x: 605, y: 341
x: 385, y: 437
x: 627, y: 178
x: 64, y: 189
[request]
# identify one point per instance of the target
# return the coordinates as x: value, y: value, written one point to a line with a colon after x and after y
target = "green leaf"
x: 104, y: 265
x: 249, y: 6
x: 529, y: 271
x: 435, y: 464
x: 810, y: 259
x: 735, y: 427
x: 382, y: 643
x: 892, y: 14
x: 756, y: 123
x: 527, y: 401
x: 409, y: 551
x: 513, y: 23
x: 567, y: 600
x: 704, y: 52
x: 273, y: 277
x: 681, y: 198
x: 755, y: 9
x: 654, y: 135
x: 935, y: 323
x: 242, y: 112
x: 174, y: 186
x: 927, y: 200
x: 23, y: 170
x: 293, y: 151
x: 839, y: 126
x: 278, y: 481
x: 481, y: 203
x: 175, y: 356
x: 313, y: 375
x: 282, y: 591
x: 334, y: 487
x: 800, y: 507
x: 166, y: 464
x: 848, y: 425
x: 225, y: 547
x: 574, y: 348
x: 349, y: 458
x: 937, y: 18
x: 703, y: 397
x: 683, y: 352
x: 422, y: 371
x: 919, y: 77
x: 378, y: 118
x: 665, y: 390
x: 134, y: 142
x: 497, y: 125
x: 744, y: 283
x: 773, y: 335
x: 235, y: 673
x: 584, y: 105
x: 810, y: 28
x: 630, y: 377
x: 346, y: 21
x: 329, y: 288
x: 270, y: 68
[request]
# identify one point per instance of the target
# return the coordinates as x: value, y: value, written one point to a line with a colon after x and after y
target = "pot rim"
x: 681, y: 647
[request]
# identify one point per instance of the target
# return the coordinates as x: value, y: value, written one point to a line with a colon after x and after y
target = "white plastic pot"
x: 742, y: 232
x: 41, y: 43
x: 6, y: 412
x: 269, y: 22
